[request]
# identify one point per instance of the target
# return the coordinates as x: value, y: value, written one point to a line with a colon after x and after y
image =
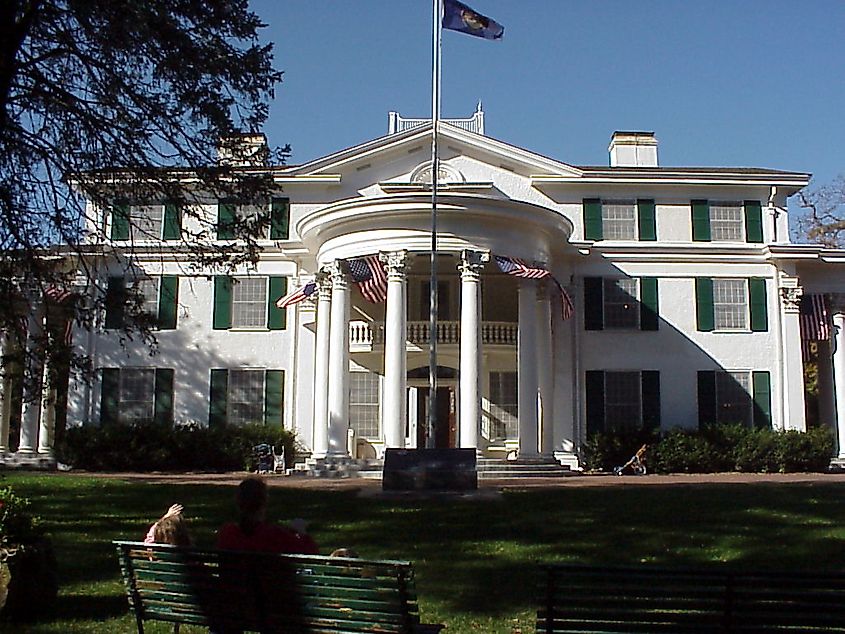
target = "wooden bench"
x: 649, y: 599
x: 235, y: 591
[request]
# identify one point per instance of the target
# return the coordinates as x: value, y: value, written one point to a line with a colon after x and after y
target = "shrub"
x: 804, y: 451
x: 605, y: 450
x: 756, y: 452
x: 681, y: 451
x: 153, y: 447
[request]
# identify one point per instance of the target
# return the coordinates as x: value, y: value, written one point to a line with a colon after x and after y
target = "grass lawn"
x: 475, y: 559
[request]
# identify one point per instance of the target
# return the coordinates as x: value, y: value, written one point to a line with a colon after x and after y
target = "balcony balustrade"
x: 363, y: 335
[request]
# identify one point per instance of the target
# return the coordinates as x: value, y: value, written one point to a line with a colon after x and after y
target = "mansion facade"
x: 685, y: 287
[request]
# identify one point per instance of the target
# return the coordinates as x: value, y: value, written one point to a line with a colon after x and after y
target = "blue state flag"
x: 459, y: 17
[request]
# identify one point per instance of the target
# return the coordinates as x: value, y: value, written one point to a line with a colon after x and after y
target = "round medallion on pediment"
x: 445, y: 174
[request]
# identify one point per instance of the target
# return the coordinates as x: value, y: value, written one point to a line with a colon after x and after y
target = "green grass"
x: 476, y: 560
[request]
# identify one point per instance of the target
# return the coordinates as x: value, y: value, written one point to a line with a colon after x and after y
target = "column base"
x: 32, y: 460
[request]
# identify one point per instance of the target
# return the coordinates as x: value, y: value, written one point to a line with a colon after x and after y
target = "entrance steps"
x: 487, y: 468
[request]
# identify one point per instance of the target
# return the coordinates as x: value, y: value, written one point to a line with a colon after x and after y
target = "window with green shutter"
x: 753, y: 221
x: 593, y: 303
x: 592, y: 219
x: 280, y: 219
x: 622, y: 400
x: 700, y: 221
x: 704, y: 310
x: 274, y: 388
x: 621, y: 304
x: 164, y: 396
x: 115, y: 303
x: 276, y: 317
x: 226, y: 210
x: 650, y: 380
x: 706, y: 398
x: 649, y: 304
x: 168, y: 301
x: 762, y: 386
x: 646, y: 220
x: 222, y: 319
x: 172, y: 229
x: 725, y: 397
x: 120, y: 220
x: 109, y: 395
x: 218, y: 398
x: 594, y: 387
x: 757, y: 304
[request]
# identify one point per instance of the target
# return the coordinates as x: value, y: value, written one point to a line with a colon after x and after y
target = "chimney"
x: 248, y: 149
x: 633, y: 149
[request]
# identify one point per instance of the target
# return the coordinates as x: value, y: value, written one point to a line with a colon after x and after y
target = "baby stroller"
x: 266, y: 459
x: 636, y: 465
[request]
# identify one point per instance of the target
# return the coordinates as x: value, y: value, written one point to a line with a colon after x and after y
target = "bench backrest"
x: 619, y: 599
x: 267, y: 592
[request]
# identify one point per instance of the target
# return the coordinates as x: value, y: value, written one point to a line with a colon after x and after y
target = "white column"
x: 527, y: 369
x: 47, y: 422
x: 5, y: 392
x: 338, y: 394
x: 839, y: 375
x: 471, y: 265
x: 792, y: 390
x: 31, y: 408
x: 320, y: 444
x: 395, y: 410
x: 545, y: 367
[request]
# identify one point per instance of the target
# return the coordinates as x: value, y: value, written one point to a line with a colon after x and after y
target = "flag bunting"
x: 459, y: 17
x: 519, y: 268
x: 815, y: 322
x: 300, y: 294
x: 369, y: 274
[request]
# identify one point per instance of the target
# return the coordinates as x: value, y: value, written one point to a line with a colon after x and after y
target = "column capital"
x: 396, y: 263
x: 337, y: 274
x: 323, y: 281
x: 472, y: 263
x: 790, y: 296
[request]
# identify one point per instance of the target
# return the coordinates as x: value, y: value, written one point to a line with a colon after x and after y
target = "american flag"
x: 300, y: 294
x: 815, y: 322
x: 519, y: 268
x: 57, y: 294
x: 369, y: 274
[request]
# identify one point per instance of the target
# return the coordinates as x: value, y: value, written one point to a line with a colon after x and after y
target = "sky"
x: 740, y: 83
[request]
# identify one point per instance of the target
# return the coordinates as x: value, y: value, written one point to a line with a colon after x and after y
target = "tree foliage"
x: 824, y: 218
x: 106, y: 98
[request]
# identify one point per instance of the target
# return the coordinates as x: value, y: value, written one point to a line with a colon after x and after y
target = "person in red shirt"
x: 253, y: 533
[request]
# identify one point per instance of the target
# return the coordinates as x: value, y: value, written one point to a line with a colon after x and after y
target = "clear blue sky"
x: 721, y: 82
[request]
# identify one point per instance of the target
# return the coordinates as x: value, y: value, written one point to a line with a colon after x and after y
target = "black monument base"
x: 429, y: 470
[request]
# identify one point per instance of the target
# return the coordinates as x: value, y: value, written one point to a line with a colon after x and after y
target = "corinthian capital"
x: 472, y: 262
x: 791, y: 298
x: 395, y: 262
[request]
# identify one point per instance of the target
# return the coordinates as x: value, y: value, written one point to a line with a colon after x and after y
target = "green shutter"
x: 757, y: 303
x: 280, y: 219
x: 115, y: 302
x: 595, y: 402
x: 218, y: 398
x: 222, y: 303
x: 646, y: 220
x: 276, y: 317
x: 649, y: 305
x: 164, y: 396
x: 592, y: 219
x: 753, y: 221
x: 706, y: 398
x: 120, y: 221
x: 593, y: 303
x: 762, y: 387
x: 168, y: 300
x: 225, y: 220
x: 700, y: 221
x: 109, y: 395
x: 274, y: 388
x: 704, y: 312
x: 650, y: 384
x: 172, y: 229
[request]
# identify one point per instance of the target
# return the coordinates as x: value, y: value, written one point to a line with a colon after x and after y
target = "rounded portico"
x: 485, y: 340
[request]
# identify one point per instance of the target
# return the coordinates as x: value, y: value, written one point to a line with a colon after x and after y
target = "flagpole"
x: 437, y: 29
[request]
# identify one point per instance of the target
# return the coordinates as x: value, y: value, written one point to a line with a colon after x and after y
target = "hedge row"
x: 153, y: 447
x: 715, y: 448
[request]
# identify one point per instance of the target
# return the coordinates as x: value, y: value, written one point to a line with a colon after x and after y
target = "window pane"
x: 145, y: 221
x: 733, y: 397
x: 730, y: 304
x: 254, y: 212
x: 504, y: 423
x: 619, y: 220
x: 622, y: 395
x: 621, y: 303
x: 249, y: 302
x: 147, y: 290
x: 363, y: 404
x: 137, y: 395
x: 246, y: 397
x: 727, y: 222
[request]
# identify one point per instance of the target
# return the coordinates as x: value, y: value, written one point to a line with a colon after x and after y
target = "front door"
x: 445, y: 432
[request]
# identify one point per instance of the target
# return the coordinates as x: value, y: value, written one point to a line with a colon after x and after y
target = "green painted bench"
x: 612, y: 600
x: 237, y: 591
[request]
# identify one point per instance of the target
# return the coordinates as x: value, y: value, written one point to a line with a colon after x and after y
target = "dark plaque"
x: 429, y: 470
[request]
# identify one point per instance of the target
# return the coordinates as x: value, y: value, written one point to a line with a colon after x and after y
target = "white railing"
x: 495, y: 333
x: 398, y: 123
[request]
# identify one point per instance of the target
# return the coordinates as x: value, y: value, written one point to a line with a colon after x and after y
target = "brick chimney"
x: 248, y: 149
x: 633, y: 149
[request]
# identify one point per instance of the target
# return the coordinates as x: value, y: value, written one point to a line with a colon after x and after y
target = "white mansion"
x: 686, y: 293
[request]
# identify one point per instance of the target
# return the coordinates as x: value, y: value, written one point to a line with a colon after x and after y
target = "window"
x: 145, y: 221
x: 731, y: 304
x: 276, y: 215
x: 619, y: 219
x: 246, y: 397
x: 364, y: 404
x: 622, y: 400
x: 504, y: 409
x: 249, y: 303
x: 727, y: 221
x: 621, y: 303
x: 734, y: 397
x: 151, y: 301
x: 136, y: 395
x: 147, y: 289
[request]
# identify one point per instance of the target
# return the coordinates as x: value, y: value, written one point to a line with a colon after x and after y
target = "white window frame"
x: 729, y: 380
x: 140, y: 223
x: 614, y: 225
x: 371, y: 405
x: 232, y: 403
x: 721, y: 308
x: 623, y: 415
x: 242, y: 324
x: 126, y: 405
x: 504, y: 415
x: 613, y: 284
x: 723, y: 229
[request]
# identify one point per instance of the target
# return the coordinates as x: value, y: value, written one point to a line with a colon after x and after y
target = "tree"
x: 824, y: 219
x: 108, y: 98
